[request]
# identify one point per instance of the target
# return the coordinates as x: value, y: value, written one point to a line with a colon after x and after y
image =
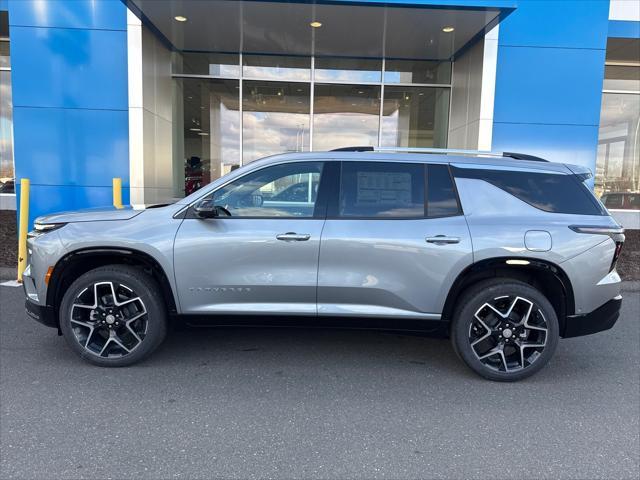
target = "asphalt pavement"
x: 301, y: 403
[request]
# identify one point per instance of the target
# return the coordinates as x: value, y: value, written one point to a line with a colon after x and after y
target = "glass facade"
x: 275, y: 118
x: 239, y: 108
x: 211, y: 129
x: 414, y: 117
x: 345, y: 115
x: 618, y: 162
x: 276, y: 67
x: 350, y: 70
x: 6, y: 111
x: 419, y: 71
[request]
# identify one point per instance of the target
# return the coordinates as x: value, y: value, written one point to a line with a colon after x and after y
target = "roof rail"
x: 353, y: 149
x: 442, y: 151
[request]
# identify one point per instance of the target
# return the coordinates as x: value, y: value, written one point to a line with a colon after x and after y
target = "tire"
x: 108, y: 333
x: 493, y: 335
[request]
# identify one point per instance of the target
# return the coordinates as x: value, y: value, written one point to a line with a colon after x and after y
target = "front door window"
x: 287, y: 190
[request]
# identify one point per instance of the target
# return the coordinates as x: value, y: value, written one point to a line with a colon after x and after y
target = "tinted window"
x: 550, y: 192
x: 382, y: 190
x: 442, y: 198
x: 287, y: 190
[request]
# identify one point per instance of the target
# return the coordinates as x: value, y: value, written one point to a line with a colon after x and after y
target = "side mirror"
x: 206, y: 209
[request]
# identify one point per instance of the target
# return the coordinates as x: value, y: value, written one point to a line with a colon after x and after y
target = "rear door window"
x: 382, y: 190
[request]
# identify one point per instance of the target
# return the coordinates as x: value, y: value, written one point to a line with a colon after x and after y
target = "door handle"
x: 442, y: 240
x: 293, y: 237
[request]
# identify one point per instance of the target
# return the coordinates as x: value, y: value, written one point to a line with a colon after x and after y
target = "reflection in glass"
x: 216, y: 64
x: 4, y: 54
x: 347, y: 70
x: 442, y: 199
x: 276, y: 67
x: 618, y: 163
x: 384, y: 190
x: 275, y: 118
x: 417, y: 71
x: 617, y: 77
x: 415, y: 117
x: 345, y: 115
x: 6, y: 131
x: 287, y: 190
x: 276, y: 106
x: 211, y: 130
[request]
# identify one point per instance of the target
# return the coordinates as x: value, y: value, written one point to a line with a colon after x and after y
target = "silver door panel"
x: 237, y: 265
x: 387, y: 267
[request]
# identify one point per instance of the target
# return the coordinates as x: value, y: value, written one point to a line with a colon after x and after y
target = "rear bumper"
x: 602, y: 318
x: 41, y: 313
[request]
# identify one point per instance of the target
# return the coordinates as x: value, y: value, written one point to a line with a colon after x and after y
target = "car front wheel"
x: 113, y: 316
x: 504, y: 330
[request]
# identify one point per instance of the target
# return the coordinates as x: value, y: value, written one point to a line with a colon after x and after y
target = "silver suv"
x: 504, y: 253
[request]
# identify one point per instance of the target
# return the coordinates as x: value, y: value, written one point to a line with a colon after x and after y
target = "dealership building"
x: 170, y: 95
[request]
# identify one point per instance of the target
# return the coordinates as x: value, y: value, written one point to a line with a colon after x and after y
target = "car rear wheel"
x: 113, y: 316
x: 504, y: 330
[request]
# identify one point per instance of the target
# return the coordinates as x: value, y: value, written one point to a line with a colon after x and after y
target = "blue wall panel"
x: 82, y: 14
x: 557, y: 23
x: 575, y: 144
x: 508, y: 4
x: 623, y: 29
x: 83, y: 68
x: 92, y: 146
x: 69, y: 83
x: 549, y: 85
x: 549, y: 79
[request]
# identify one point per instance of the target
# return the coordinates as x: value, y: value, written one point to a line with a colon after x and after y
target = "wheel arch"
x: 547, y: 277
x: 80, y: 261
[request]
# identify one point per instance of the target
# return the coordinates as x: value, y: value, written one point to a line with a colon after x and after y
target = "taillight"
x: 597, y: 230
x: 616, y: 255
x: 616, y: 233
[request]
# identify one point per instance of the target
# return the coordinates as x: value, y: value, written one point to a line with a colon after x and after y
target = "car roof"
x: 464, y: 161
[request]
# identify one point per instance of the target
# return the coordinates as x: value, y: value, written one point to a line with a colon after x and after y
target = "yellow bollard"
x: 117, y: 192
x: 23, y: 227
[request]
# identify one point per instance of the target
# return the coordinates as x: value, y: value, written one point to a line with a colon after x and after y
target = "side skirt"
x: 435, y: 327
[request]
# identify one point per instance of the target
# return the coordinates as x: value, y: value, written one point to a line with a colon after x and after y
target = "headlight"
x: 42, y: 228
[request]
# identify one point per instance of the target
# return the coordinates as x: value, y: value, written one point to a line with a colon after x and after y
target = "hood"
x: 91, y: 215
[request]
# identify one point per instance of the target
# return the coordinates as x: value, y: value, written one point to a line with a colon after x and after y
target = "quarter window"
x: 287, y: 190
x: 551, y: 192
x: 382, y: 190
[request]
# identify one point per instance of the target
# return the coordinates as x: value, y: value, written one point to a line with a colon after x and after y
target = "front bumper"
x: 602, y: 318
x: 42, y: 313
